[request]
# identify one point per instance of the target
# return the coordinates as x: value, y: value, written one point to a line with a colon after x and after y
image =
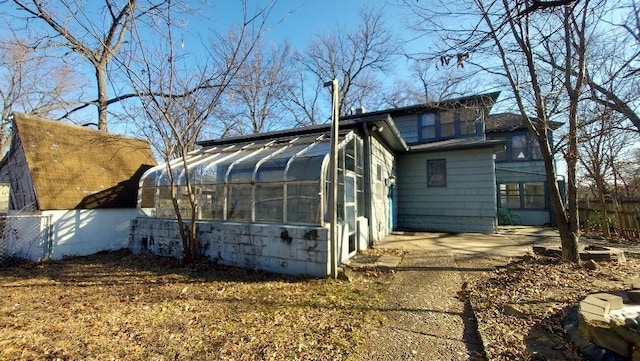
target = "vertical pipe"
x: 333, y: 233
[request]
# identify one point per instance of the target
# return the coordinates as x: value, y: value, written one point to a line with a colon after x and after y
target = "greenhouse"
x: 262, y: 202
x: 283, y: 181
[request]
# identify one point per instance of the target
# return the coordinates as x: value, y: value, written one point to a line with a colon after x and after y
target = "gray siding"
x: 530, y: 171
x: 466, y: 204
x: 383, y: 159
x: 408, y: 127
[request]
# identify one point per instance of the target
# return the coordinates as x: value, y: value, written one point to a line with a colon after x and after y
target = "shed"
x: 72, y: 189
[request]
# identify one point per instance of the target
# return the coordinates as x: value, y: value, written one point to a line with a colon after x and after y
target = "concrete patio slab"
x: 508, y: 241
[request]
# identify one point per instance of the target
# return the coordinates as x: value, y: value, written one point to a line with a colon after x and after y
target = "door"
x: 350, y: 208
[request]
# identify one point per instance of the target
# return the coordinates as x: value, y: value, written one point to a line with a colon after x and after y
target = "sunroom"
x: 261, y: 203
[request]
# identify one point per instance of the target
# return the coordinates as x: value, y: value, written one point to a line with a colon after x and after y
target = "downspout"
x: 368, y: 172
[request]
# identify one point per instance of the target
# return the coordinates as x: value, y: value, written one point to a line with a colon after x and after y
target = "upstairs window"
x: 524, y: 147
x: 428, y: 126
x: 520, y: 147
x: 447, y: 124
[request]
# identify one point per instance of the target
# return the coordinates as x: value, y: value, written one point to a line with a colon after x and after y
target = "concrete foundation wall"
x: 82, y: 232
x: 53, y: 235
x: 294, y: 250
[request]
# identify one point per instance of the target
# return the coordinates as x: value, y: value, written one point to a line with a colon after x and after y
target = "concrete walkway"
x: 426, y: 317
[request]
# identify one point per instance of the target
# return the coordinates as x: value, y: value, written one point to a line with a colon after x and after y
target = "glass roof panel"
x: 215, y: 171
x: 272, y: 169
x: 242, y: 169
x: 307, y: 165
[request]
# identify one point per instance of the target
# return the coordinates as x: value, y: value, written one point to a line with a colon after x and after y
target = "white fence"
x: 25, y: 237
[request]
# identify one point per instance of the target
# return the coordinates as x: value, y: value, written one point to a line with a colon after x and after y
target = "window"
x: 436, y: 173
x: 428, y: 126
x: 510, y: 195
x: 447, y: 124
x: 534, y: 195
x: 468, y: 117
x: 524, y: 147
x: 522, y: 195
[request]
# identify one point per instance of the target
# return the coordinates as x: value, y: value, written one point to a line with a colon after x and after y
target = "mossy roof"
x: 74, y: 167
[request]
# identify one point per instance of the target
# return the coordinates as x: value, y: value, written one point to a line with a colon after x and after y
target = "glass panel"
x: 308, y: 165
x: 272, y: 170
x: 510, y: 195
x: 165, y: 205
x: 149, y: 180
x: 239, y: 202
x: 270, y: 202
x: 350, y: 214
x: 147, y: 197
x: 350, y: 189
x: 216, y: 171
x: 519, y: 149
x: 183, y: 202
x: 211, y: 202
x: 534, y: 195
x: 447, y: 124
x: 468, y: 118
x: 534, y: 147
x: 196, y: 171
x: 242, y: 170
x: 350, y: 155
x: 428, y: 126
x: 303, y: 202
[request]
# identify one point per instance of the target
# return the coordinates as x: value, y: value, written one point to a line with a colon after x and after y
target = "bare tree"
x: 71, y: 24
x: 355, y: 58
x: 600, y: 145
x: 254, y: 102
x: 34, y: 84
x: 302, y: 100
x: 178, y: 101
x: 521, y: 33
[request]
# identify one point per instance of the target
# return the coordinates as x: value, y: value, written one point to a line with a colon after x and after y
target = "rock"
x: 345, y: 275
x: 633, y: 283
x: 634, y: 296
x: 615, y: 302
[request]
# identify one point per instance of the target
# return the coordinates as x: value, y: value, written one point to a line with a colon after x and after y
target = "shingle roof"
x: 508, y: 122
x: 77, y: 167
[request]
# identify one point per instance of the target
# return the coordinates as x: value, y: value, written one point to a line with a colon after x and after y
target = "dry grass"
x: 521, y: 308
x: 116, y: 306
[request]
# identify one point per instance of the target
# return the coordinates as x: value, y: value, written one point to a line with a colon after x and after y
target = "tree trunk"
x: 603, y: 206
x: 101, y: 77
x: 568, y: 233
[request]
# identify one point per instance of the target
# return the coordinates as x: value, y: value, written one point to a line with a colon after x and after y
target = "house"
x: 521, y: 178
x: 264, y: 200
x: 72, y: 190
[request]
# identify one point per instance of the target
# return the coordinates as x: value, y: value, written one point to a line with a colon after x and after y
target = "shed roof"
x: 77, y: 167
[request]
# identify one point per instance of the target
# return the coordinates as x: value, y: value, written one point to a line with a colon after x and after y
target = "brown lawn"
x: 115, y: 306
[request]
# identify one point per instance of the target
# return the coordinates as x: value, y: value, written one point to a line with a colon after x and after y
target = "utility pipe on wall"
x: 333, y: 165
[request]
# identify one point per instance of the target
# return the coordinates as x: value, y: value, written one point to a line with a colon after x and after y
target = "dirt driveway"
x: 427, y: 315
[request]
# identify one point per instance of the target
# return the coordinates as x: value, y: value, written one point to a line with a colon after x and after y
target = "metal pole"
x: 333, y: 165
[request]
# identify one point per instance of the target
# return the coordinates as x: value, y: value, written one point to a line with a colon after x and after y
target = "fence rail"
x: 623, y: 218
x: 25, y: 237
